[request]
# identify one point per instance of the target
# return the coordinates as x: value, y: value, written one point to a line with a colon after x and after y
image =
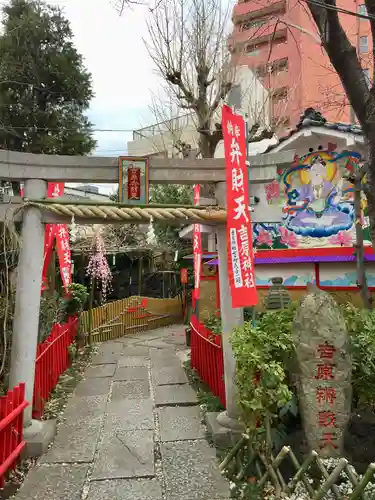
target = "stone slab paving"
x: 93, y: 387
x: 125, y: 454
x: 128, y: 432
x: 131, y: 389
x: 133, y: 361
x: 130, y: 414
x: 128, y: 489
x: 173, y: 395
x: 78, y: 435
x: 54, y: 482
x: 169, y: 375
x: 191, y: 473
x: 124, y: 373
x: 100, y: 371
x: 180, y: 423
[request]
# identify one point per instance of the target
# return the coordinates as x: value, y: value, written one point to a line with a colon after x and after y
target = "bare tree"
x: 360, y: 92
x: 174, y: 131
x: 188, y: 44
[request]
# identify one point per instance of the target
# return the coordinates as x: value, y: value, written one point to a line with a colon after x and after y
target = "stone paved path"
x: 131, y: 431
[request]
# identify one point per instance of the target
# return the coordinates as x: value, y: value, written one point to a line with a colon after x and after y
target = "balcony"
x: 250, y: 10
x: 174, y: 124
x: 261, y: 34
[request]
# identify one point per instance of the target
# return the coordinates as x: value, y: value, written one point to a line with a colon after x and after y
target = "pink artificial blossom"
x: 264, y: 238
x: 288, y: 238
x: 342, y: 239
x: 98, y: 267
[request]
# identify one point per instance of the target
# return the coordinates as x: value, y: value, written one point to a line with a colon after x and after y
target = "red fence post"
x: 207, y: 358
x: 52, y: 360
x: 11, y: 429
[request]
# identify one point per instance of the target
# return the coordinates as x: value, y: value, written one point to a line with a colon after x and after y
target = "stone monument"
x: 323, y: 372
x: 278, y: 296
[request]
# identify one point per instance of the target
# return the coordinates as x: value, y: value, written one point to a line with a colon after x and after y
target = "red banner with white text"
x: 239, y: 230
x: 197, y: 246
x: 54, y: 190
x: 64, y: 254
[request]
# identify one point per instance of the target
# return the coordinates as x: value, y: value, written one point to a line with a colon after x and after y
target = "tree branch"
x: 343, y: 56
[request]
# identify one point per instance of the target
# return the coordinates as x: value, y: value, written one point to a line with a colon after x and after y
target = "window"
x: 363, y: 44
x: 252, y: 50
x: 362, y: 9
x: 252, y: 24
x: 274, y: 68
x: 366, y: 72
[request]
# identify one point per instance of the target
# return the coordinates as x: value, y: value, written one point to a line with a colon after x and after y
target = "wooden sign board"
x: 133, y: 180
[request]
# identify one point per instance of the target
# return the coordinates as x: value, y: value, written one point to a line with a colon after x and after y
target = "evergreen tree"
x: 44, y: 86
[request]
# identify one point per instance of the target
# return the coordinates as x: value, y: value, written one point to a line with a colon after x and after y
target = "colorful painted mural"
x: 293, y: 275
x: 317, y: 203
x: 344, y: 275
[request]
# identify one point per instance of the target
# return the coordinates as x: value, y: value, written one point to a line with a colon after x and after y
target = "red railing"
x: 52, y: 359
x: 207, y: 357
x: 11, y: 429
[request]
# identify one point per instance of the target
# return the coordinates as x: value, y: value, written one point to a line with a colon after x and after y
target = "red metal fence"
x: 52, y: 359
x: 11, y: 429
x: 207, y: 357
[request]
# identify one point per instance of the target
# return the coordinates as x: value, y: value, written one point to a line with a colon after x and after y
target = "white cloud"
x: 121, y: 69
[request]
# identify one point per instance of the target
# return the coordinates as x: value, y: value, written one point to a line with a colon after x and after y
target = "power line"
x: 323, y: 5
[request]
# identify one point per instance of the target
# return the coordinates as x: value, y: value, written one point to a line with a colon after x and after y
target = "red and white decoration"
x: 60, y: 231
x: 239, y: 231
x: 197, y: 246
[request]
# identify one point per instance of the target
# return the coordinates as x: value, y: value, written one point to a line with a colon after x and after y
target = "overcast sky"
x: 122, y: 73
x: 114, y: 53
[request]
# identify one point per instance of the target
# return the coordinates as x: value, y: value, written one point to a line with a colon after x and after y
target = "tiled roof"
x: 312, y: 118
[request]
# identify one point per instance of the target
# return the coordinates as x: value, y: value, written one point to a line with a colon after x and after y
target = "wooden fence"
x: 248, y: 465
x: 129, y: 316
x: 11, y: 429
x: 52, y: 359
x: 207, y: 357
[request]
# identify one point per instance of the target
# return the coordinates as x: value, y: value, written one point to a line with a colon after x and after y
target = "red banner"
x: 134, y: 183
x: 197, y: 246
x: 184, y: 276
x: 64, y: 254
x: 54, y: 190
x: 239, y: 230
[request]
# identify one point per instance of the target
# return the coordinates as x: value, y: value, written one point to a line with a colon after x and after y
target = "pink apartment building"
x: 279, y: 39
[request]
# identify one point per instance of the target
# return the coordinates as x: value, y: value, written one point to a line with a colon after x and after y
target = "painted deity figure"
x: 319, y: 201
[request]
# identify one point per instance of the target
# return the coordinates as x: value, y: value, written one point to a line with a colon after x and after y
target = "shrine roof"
x: 313, y: 118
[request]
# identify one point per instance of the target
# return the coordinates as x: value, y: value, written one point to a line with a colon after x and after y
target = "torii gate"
x: 35, y: 211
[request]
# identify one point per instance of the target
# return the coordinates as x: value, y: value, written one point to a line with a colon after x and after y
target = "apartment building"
x: 279, y: 41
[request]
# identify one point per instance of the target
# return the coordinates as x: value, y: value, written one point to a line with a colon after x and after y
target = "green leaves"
x: 262, y: 354
x: 44, y: 87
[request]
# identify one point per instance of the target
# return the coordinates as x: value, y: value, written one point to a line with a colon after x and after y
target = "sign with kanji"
x: 133, y: 180
x: 63, y: 252
x: 197, y: 246
x: 324, y: 372
x: 54, y: 190
x: 239, y: 230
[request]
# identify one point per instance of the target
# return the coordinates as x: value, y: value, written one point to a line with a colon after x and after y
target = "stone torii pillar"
x: 230, y: 318
x: 26, y: 314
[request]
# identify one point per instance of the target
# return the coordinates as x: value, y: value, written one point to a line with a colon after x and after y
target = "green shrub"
x: 265, y: 355
x: 262, y: 355
x: 361, y: 328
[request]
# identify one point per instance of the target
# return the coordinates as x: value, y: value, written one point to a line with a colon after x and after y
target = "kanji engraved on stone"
x: 324, y: 372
